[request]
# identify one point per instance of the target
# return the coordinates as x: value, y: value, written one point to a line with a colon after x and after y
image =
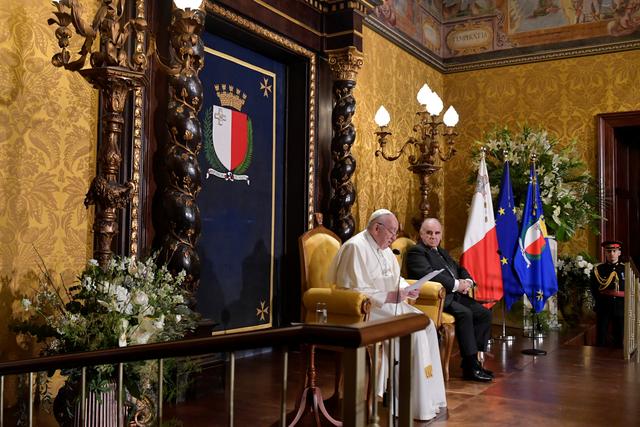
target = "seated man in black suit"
x: 473, y: 321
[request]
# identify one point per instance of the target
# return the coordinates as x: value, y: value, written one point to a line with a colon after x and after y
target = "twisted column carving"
x: 106, y: 192
x: 179, y: 211
x: 345, y: 64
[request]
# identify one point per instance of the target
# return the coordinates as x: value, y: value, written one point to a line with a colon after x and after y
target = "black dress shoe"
x: 488, y: 372
x: 476, y: 375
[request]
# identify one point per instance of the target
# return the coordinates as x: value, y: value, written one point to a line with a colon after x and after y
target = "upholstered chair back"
x: 318, y: 247
x: 402, y: 244
x: 318, y: 250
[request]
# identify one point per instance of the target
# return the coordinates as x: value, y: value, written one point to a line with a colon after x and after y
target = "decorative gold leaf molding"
x: 345, y: 63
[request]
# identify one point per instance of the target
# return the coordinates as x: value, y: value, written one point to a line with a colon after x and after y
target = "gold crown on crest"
x: 230, y: 96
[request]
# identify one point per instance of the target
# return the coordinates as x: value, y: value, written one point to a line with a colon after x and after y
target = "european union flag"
x: 507, y: 230
x: 533, y: 262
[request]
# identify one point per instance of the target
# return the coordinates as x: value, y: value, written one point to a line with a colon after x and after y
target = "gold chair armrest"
x: 343, y: 306
x: 431, y: 300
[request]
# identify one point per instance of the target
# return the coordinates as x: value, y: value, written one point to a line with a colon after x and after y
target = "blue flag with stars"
x: 507, y: 230
x: 533, y: 262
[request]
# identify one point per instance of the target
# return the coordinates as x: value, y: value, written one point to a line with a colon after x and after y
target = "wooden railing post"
x: 404, y: 386
x: 354, y: 404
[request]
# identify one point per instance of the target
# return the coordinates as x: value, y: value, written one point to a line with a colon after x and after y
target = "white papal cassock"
x: 361, y: 265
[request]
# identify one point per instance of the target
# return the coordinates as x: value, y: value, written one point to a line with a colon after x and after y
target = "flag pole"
x: 504, y: 336
x: 533, y: 351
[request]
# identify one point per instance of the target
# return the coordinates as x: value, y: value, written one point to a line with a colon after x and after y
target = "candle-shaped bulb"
x: 382, y: 117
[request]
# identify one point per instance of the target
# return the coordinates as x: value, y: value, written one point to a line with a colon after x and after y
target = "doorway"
x: 619, y: 178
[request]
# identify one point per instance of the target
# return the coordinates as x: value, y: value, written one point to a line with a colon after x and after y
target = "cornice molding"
x: 410, y: 46
x: 448, y: 66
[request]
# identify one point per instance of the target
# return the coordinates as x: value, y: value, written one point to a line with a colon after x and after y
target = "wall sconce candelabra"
x: 423, y: 150
x: 116, y: 66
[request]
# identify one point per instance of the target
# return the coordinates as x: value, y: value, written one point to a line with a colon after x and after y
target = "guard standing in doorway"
x: 607, y: 287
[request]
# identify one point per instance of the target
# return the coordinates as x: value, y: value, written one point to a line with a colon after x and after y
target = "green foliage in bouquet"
x: 128, y: 302
x: 569, y: 193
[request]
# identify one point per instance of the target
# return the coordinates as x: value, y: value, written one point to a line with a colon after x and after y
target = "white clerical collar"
x: 378, y: 252
x: 372, y: 241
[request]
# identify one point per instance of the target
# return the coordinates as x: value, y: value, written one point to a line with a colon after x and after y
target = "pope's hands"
x: 396, y: 297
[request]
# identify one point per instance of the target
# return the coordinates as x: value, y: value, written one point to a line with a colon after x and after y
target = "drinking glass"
x: 321, y: 312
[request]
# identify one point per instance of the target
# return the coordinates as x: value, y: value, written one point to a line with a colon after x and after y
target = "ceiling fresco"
x: 467, y: 30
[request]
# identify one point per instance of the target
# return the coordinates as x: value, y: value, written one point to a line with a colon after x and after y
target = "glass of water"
x: 321, y: 312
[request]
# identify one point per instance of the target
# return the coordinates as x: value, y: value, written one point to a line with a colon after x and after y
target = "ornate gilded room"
x: 181, y: 178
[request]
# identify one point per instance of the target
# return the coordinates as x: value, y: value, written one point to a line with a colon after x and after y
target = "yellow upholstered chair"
x: 317, y: 248
x: 431, y: 302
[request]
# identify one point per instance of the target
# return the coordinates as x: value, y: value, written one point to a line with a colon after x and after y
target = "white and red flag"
x: 480, y: 249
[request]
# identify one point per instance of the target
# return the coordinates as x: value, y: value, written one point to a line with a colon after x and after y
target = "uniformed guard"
x: 607, y: 287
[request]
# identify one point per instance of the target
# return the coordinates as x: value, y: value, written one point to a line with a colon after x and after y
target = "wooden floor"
x: 573, y: 385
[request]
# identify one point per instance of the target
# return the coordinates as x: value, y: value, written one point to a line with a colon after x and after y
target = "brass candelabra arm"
x: 449, y: 137
x: 382, y: 141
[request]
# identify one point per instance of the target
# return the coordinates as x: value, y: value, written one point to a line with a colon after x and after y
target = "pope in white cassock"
x: 366, y: 264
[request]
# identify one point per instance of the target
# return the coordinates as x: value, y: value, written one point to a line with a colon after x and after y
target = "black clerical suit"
x: 608, y: 293
x: 473, y: 321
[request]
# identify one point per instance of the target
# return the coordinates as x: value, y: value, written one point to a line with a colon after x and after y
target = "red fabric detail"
x: 483, y: 263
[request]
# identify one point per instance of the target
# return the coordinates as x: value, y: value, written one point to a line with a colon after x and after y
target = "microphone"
x: 395, y: 251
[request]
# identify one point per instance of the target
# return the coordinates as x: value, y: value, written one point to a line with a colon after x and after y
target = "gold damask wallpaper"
x: 47, y: 153
x: 389, y: 77
x: 564, y: 96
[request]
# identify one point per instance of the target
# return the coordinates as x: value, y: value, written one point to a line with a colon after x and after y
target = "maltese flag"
x: 480, y: 250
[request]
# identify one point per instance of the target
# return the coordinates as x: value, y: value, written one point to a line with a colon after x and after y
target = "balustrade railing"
x: 631, y: 311
x: 352, y: 338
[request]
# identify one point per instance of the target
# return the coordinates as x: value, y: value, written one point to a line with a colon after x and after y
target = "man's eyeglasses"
x: 393, y: 233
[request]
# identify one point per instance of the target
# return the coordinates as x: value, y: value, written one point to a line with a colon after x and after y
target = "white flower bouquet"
x: 128, y: 302
x: 574, y: 296
x: 568, y: 191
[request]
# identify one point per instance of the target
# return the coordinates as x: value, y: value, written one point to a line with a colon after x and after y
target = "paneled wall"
x: 47, y: 158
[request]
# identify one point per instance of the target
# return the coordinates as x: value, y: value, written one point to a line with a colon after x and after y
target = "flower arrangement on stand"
x: 128, y: 302
x: 569, y: 194
x: 574, y: 296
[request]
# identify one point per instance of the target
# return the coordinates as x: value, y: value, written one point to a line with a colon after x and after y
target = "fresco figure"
x: 626, y: 19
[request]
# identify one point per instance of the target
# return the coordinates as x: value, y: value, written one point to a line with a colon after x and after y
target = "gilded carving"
x: 345, y: 63
x: 179, y: 181
x: 139, y: 113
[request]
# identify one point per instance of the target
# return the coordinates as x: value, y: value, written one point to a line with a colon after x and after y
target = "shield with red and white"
x: 230, y: 136
x: 228, y: 143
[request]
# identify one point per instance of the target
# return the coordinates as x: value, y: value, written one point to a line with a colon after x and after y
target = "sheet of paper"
x: 416, y: 286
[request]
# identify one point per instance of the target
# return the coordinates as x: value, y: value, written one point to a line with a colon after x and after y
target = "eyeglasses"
x: 393, y: 233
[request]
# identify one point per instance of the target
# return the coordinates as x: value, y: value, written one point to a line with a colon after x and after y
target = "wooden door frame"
x: 606, y: 124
